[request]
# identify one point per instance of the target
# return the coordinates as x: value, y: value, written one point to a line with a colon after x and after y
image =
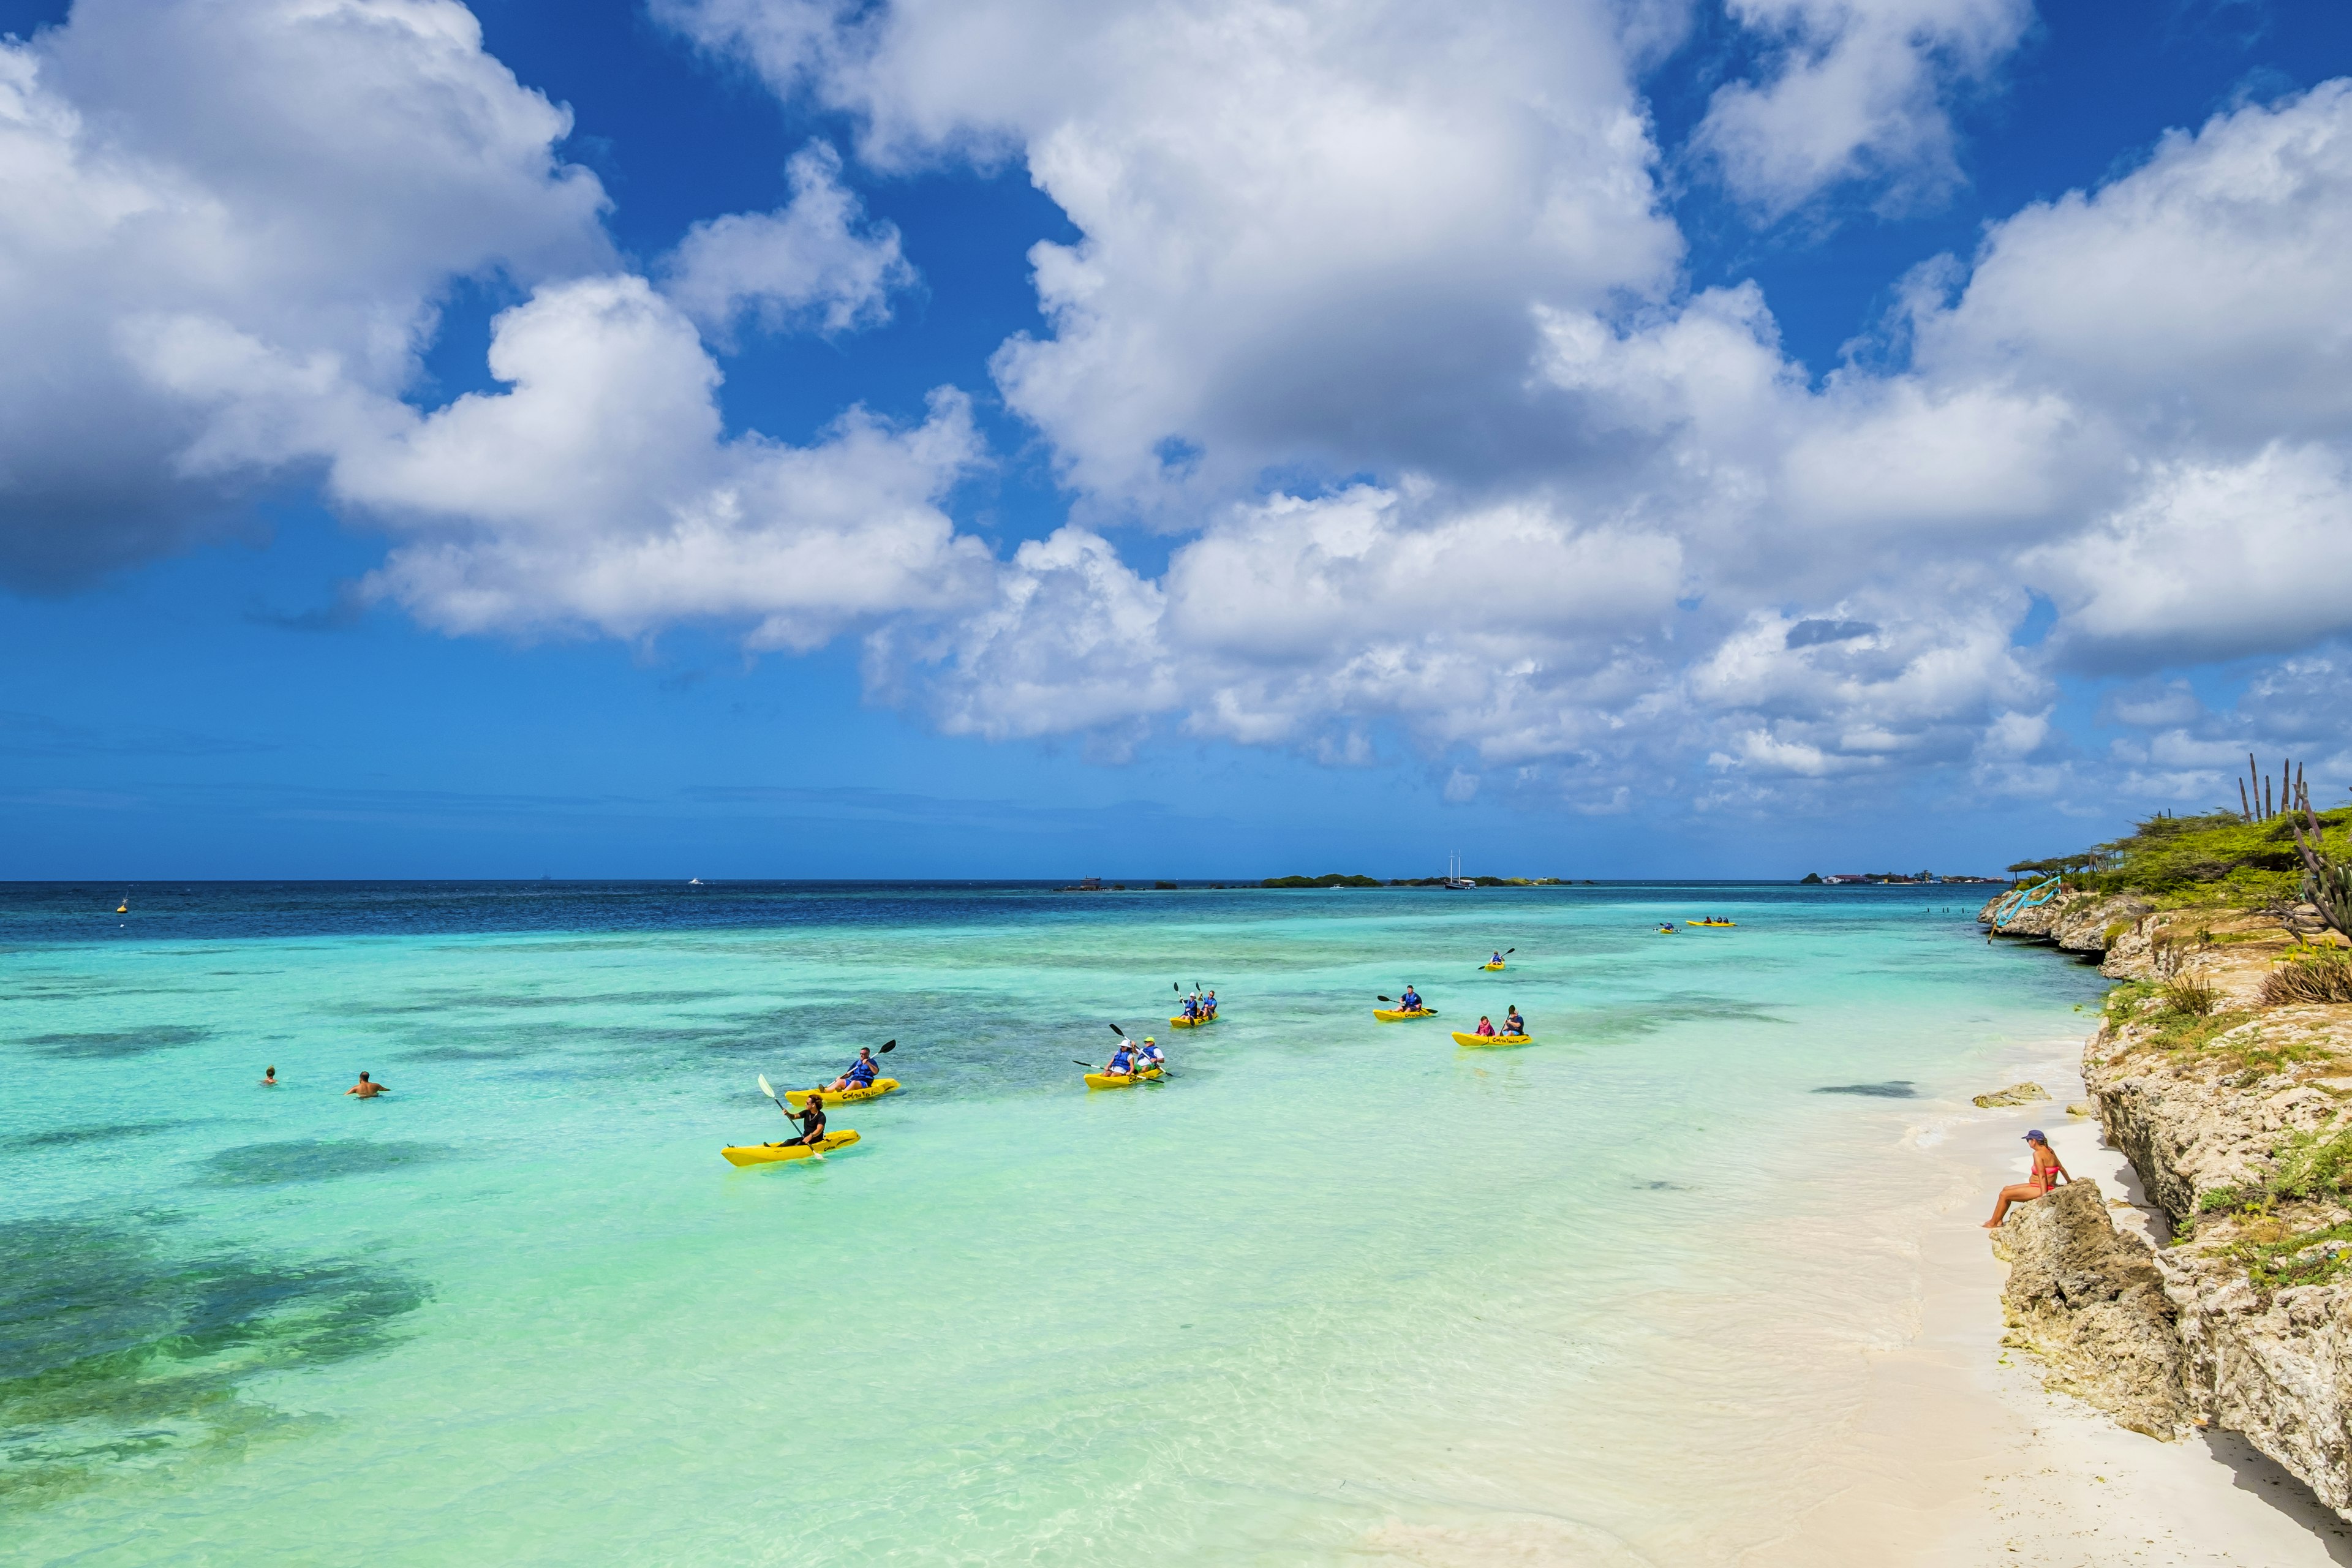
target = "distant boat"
x: 1453, y: 877
x: 694, y: 881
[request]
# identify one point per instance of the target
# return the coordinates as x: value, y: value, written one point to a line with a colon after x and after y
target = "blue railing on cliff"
x: 2020, y: 899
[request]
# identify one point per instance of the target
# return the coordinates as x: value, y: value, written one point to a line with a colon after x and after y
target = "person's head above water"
x: 269, y: 1073
x: 363, y: 1077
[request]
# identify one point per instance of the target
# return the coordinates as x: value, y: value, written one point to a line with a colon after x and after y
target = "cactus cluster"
x: 2326, y: 878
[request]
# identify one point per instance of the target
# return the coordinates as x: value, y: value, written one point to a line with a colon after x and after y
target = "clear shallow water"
x: 1342, y: 1292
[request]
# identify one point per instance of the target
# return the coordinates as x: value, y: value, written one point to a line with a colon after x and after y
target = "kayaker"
x: 1485, y: 1026
x: 1122, y: 1060
x: 1193, y: 1007
x: 1150, y: 1055
x: 1497, y: 958
x: 2047, y: 1173
x: 269, y: 1078
x: 860, y: 1074
x: 367, y: 1089
x: 1410, y: 1000
x: 1513, y: 1024
x: 812, y: 1122
x: 1209, y: 1004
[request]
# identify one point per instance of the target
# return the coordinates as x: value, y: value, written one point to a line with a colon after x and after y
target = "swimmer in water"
x: 269, y: 1078
x: 367, y: 1089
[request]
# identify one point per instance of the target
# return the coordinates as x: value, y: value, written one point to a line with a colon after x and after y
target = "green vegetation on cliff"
x: 2218, y: 858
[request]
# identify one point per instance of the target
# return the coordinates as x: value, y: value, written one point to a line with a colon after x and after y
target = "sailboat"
x: 1454, y: 880
x: 694, y: 881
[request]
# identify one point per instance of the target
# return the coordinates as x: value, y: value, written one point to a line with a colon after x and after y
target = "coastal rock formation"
x: 2085, y: 923
x: 2015, y: 1094
x: 2223, y: 1114
x: 2089, y: 1301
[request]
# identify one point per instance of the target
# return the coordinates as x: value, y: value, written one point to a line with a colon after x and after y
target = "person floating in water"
x: 2047, y: 1173
x: 1513, y: 1024
x: 269, y: 1078
x: 811, y: 1121
x: 860, y: 1074
x: 366, y: 1088
x: 1409, y: 1000
x: 1485, y: 1026
x: 1151, y: 1057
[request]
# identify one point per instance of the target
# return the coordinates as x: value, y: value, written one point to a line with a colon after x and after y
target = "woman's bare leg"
x: 2023, y: 1191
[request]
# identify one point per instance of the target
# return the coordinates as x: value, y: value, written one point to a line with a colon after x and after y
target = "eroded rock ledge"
x: 2245, y: 1321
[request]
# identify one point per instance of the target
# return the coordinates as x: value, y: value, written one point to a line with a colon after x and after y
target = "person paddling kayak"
x: 1513, y: 1024
x: 1150, y: 1056
x: 812, y: 1123
x: 367, y: 1090
x: 860, y: 1074
x: 1496, y: 962
x: 1209, y: 1004
x: 1122, y: 1060
x: 1410, y: 1000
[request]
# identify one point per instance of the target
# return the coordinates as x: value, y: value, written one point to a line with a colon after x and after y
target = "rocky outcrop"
x: 2201, y: 1107
x: 2089, y: 1301
x: 2085, y: 923
x: 2015, y: 1094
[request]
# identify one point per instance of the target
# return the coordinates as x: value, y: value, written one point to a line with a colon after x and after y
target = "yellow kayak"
x: 1389, y: 1016
x: 1490, y: 966
x: 769, y: 1153
x: 1190, y: 1023
x: 1461, y: 1039
x: 1710, y: 922
x: 797, y: 1097
x: 1118, y: 1080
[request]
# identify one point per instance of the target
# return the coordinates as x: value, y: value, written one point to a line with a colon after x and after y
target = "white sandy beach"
x: 1959, y: 1456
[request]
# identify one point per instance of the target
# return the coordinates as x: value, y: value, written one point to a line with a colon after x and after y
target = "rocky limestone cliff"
x: 2257, y: 1322
x: 2089, y: 1301
x: 2084, y: 924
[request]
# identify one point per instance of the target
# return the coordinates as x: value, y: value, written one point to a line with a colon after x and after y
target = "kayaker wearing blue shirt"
x: 860, y: 1074
x: 1409, y: 1001
x: 1193, y: 1007
x: 1513, y: 1024
x: 1209, y: 1004
x: 1497, y: 958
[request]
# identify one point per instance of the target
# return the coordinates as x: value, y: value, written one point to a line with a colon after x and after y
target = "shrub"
x: 2321, y: 976
x: 2191, y: 995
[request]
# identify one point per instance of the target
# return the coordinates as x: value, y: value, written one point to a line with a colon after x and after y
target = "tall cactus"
x: 2326, y: 878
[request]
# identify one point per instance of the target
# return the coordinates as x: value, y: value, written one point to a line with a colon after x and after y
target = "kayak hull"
x: 797, y: 1097
x: 1490, y: 966
x: 1461, y: 1039
x: 1710, y: 922
x: 1192, y: 1023
x: 1120, y: 1080
x: 1395, y: 1015
x: 773, y: 1154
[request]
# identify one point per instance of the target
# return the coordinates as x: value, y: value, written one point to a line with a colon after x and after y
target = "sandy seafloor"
x: 1660, y: 1288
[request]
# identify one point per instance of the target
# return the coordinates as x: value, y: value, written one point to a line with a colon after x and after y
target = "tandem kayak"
x: 1119, y: 1080
x: 769, y: 1153
x: 1710, y: 922
x: 1393, y: 1015
x: 1490, y: 966
x: 1190, y: 1023
x: 797, y: 1097
x: 1461, y: 1039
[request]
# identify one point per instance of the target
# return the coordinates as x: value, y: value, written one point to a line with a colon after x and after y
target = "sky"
x: 1202, y: 438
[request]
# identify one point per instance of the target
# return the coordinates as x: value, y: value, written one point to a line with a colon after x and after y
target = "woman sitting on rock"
x: 2047, y: 1173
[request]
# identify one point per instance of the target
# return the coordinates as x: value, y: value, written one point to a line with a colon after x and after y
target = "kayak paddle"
x: 815, y: 1152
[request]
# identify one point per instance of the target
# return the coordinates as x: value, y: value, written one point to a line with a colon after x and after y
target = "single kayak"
x: 769, y: 1153
x: 1461, y: 1039
x: 1119, y: 1080
x: 1190, y: 1023
x: 797, y: 1097
x: 1490, y: 966
x: 1392, y: 1016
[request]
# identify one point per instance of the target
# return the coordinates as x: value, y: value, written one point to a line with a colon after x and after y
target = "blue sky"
x: 1609, y: 441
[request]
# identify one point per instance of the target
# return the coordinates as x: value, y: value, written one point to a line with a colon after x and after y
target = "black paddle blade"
x: 1508, y: 951
x: 1119, y: 1032
x: 1088, y: 1066
x: 889, y: 1045
x: 1380, y: 998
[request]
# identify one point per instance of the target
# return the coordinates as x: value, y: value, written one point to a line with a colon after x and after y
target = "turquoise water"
x: 1341, y: 1292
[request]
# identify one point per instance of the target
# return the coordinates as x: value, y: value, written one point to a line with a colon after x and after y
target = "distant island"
x: 1897, y: 878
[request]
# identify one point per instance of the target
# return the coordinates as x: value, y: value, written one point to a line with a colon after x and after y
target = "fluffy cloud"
x: 308, y: 172
x: 1854, y: 89
x: 811, y: 263
x: 598, y: 490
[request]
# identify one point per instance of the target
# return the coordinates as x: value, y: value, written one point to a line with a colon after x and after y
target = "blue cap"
x: 2035, y: 1137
